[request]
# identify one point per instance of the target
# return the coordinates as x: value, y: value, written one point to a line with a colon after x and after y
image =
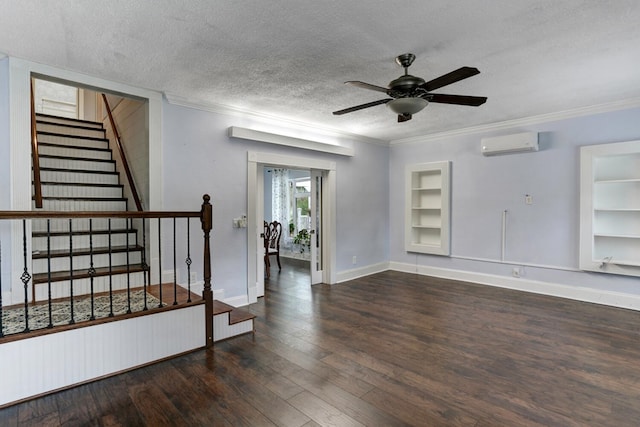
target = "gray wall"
x: 200, y: 158
x: 5, y: 174
x: 544, y: 233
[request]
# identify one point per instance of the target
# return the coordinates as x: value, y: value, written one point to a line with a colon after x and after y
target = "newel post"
x: 206, y: 218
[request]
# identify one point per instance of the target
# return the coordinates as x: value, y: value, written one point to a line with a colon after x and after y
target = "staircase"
x: 78, y: 173
x: 229, y: 321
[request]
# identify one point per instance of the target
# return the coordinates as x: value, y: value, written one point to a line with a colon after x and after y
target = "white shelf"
x: 610, y: 208
x: 617, y: 236
x: 427, y: 209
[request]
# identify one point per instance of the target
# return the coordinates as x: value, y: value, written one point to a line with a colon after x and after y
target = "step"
x: 82, y: 225
x: 229, y: 322
x: 72, y: 163
x: 55, y: 138
x: 65, y: 120
x: 82, y: 286
x: 57, y: 150
x: 82, y: 241
x: 69, y: 129
x: 79, y: 176
x: 82, y: 259
x: 236, y: 315
x: 63, y: 189
x: 77, y: 204
x: 64, y: 276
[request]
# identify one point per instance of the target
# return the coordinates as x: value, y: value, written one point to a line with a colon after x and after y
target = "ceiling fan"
x: 410, y: 94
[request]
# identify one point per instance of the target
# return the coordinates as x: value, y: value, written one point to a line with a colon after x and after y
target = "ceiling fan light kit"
x: 407, y: 105
x: 410, y: 94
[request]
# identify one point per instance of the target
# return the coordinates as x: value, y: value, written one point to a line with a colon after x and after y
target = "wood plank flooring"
x: 390, y: 349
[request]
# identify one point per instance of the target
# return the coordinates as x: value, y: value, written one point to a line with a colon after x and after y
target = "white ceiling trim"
x: 240, y: 112
x: 526, y: 121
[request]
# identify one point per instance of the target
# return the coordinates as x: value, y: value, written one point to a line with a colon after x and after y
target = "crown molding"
x: 272, y: 138
x: 286, y: 122
x: 526, y: 121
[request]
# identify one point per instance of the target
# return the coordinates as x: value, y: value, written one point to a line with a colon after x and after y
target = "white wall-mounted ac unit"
x: 516, y: 143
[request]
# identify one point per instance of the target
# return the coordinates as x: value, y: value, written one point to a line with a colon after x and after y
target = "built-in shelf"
x: 610, y: 208
x: 428, y: 208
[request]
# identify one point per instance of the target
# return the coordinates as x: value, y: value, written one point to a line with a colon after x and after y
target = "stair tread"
x: 64, y: 135
x: 86, y: 159
x: 79, y: 184
x: 58, y: 253
x: 58, y: 276
x: 82, y: 171
x: 71, y: 147
x: 45, y: 122
x: 83, y: 232
x: 88, y: 199
x: 236, y: 315
x: 51, y: 116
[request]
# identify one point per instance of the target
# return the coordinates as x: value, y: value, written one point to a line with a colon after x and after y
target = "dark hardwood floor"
x: 386, y: 350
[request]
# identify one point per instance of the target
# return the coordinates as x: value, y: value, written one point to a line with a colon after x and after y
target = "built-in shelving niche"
x: 610, y: 208
x: 427, y: 211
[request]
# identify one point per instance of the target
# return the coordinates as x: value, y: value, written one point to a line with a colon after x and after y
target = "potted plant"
x: 303, y: 238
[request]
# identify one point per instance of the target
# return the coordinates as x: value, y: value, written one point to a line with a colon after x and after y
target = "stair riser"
x: 223, y: 330
x: 46, y: 162
x: 69, y: 130
x: 84, y: 262
x: 47, y: 150
x: 83, y: 178
x: 72, y: 142
x: 81, y: 242
x: 80, y: 191
x: 83, y: 205
x: 81, y: 224
x: 68, y: 121
x: 83, y: 286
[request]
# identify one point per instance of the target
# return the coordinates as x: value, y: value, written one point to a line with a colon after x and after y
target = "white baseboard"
x: 238, y: 301
x: 578, y: 293
x: 355, y: 273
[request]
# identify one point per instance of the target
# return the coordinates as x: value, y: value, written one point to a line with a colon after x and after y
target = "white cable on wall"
x: 504, y: 235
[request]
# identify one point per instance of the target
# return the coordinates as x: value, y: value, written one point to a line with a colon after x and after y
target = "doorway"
x: 320, y: 227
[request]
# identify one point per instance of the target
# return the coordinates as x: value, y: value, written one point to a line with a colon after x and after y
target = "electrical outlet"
x: 354, y: 260
x: 515, y: 272
x: 528, y: 199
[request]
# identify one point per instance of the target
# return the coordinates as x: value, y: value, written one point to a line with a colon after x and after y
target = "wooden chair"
x: 272, y: 234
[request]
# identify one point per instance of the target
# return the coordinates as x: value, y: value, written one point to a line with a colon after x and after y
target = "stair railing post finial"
x: 206, y: 219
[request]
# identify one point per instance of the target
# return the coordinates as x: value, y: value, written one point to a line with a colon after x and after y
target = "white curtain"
x: 281, y: 198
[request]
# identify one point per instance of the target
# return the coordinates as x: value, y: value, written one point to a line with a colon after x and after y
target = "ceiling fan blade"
x: 360, y: 107
x: 472, y: 101
x: 452, y: 77
x: 404, y: 117
x: 369, y: 86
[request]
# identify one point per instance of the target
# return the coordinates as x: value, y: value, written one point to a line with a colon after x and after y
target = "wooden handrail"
x: 206, y: 219
x: 125, y: 164
x: 97, y: 214
x: 37, y: 185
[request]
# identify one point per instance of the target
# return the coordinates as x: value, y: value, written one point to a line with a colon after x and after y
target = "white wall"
x: 200, y: 158
x: 132, y: 120
x: 5, y: 178
x: 545, y: 233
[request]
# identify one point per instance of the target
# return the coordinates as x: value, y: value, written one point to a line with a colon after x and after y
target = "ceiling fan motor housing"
x: 403, y: 85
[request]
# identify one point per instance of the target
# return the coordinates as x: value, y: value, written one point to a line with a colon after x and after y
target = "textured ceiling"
x: 289, y: 59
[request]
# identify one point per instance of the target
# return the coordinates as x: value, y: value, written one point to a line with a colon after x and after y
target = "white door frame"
x: 255, y: 211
